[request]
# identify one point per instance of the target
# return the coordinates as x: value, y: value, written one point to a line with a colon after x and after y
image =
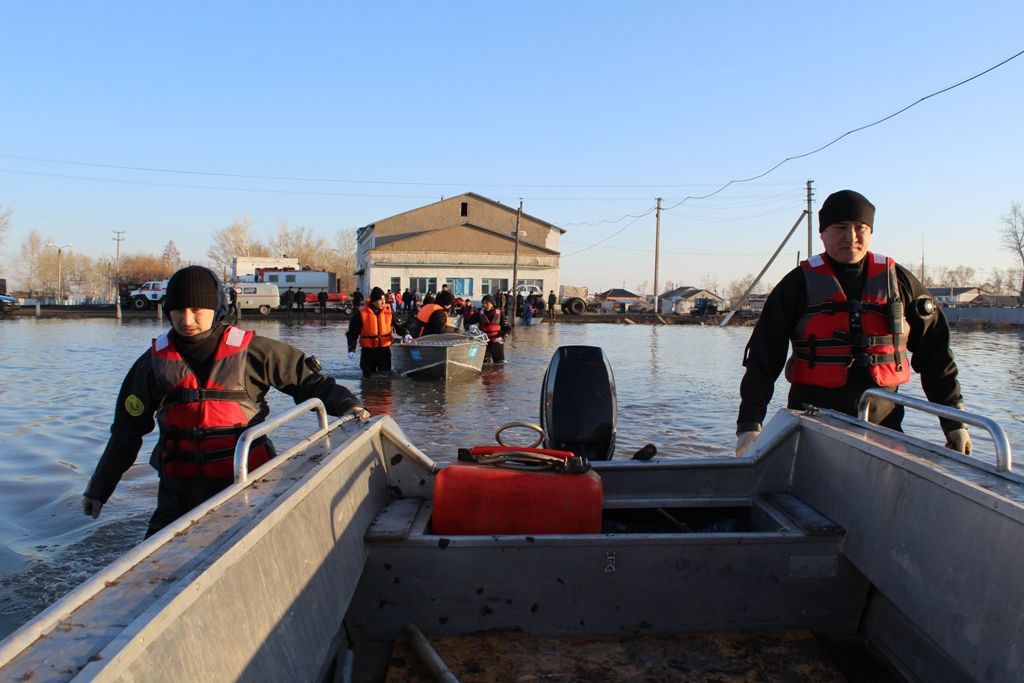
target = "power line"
x: 851, y: 131
x: 248, y: 176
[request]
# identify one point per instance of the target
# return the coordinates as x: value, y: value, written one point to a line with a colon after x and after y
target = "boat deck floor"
x: 790, y: 655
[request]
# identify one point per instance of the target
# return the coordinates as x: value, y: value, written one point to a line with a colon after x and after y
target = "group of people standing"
x: 375, y: 326
x: 296, y: 299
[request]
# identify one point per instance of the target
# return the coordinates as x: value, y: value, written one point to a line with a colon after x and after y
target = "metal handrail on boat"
x: 46, y: 620
x: 1004, y: 457
x: 264, y: 428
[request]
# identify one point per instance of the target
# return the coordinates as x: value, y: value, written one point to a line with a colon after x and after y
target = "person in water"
x: 852, y: 316
x: 433, y: 318
x: 371, y: 327
x: 491, y: 321
x: 203, y: 383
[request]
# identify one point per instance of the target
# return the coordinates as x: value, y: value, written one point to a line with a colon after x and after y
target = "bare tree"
x: 343, y: 256
x: 737, y: 287
x: 312, y: 251
x: 31, y: 263
x: 139, y: 268
x: 234, y: 240
x: 171, y: 256
x: 709, y: 282
x: 5, y: 226
x: 1012, y: 236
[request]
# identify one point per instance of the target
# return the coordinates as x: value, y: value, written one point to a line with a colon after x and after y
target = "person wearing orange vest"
x: 432, y: 317
x: 855, y: 320
x: 203, y: 383
x: 371, y: 327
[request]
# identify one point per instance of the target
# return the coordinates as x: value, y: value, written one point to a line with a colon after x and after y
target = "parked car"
x: 9, y: 304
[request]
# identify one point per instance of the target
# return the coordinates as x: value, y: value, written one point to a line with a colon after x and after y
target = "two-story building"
x: 467, y: 242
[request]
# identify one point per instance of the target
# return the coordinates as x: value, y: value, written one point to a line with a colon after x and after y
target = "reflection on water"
x: 677, y: 388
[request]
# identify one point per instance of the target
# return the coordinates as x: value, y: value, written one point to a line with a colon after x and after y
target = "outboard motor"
x: 577, y: 403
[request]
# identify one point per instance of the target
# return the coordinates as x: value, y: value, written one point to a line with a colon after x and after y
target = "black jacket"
x: 766, y: 352
x: 269, y: 363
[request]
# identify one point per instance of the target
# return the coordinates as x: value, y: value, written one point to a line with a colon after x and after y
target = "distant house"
x: 621, y: 301
x: 466, y: 242
x: 682, y: 300
x: 954, y: 296
x: 755, y: 302
x: 619, y: 295
x: 996, y: 301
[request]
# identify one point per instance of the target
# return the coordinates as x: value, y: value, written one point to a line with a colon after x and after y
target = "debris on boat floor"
x: 792, y: 655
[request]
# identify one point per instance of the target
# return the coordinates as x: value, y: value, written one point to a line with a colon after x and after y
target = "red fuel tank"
x: 488, y: 500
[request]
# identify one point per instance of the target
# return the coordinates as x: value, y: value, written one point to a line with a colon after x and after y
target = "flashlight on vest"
x: 896, y: 316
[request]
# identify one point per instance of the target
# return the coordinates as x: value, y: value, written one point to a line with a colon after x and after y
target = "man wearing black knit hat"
x: 856, y: 320
x: 203, y: 383
x: 433, y: 318
x: 371, y: 326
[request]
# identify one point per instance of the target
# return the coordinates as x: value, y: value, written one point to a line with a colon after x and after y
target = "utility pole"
x: 515, y: 264
x: 60, y: 280
x: 810, y: 219
x: 922, y: 260
x: 657, y: 244
x: 118, y: 237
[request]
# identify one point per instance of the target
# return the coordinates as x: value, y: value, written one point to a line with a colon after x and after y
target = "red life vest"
x: 376, y: 329
x: 835, y: 333
x: 490, y: 323
x: 199, y: 426
x: 424, y: 316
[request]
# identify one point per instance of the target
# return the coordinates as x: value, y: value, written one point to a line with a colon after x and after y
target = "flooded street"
x: 677, y: 388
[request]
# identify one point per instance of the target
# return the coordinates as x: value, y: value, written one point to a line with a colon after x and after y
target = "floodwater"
x: 677, y: 388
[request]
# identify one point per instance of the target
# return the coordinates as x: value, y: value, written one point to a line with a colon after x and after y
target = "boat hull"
x: 828, y: 524
x: 440, y: 356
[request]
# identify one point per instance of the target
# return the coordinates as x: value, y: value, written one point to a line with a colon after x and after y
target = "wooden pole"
x: 657, y: 246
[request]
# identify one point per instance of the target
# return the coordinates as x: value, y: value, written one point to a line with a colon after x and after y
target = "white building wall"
x: 380, y: 276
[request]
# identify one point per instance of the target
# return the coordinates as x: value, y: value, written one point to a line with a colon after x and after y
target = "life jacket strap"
x: 182, y: 395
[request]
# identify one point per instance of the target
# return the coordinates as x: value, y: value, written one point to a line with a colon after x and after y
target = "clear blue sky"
x: 587, y: 111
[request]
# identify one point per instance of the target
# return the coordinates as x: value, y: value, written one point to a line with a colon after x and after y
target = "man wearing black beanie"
x: 433, y: 317
x: 856, y: 320
x: 203, y: 383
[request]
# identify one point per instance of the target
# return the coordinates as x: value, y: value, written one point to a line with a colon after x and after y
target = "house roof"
x: 687, y: 292
x: 952, y: 291
x: 478, y: 197
x: 1008, y: 300
x: 618, y: 294
x: 384, y: 240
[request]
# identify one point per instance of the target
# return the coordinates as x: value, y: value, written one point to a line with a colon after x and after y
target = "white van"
x: 260, y: 296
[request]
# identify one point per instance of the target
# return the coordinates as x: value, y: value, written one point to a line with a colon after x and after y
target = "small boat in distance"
x: 440, y: 356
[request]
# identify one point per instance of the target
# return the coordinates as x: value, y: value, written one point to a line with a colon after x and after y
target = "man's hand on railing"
x: 361, y: 413
x: 959, y: 440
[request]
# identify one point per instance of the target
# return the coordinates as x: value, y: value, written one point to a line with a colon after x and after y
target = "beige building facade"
x: 466, y: 242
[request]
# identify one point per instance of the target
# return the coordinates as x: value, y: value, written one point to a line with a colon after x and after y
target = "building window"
x: 289, y: 278
x: 465, y: 209
x: 423, y: 284
x: 493, y: 285
x: 539, y: 283
x: 460, y: 286
x: 273, y: 278
x: 396, y: 284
